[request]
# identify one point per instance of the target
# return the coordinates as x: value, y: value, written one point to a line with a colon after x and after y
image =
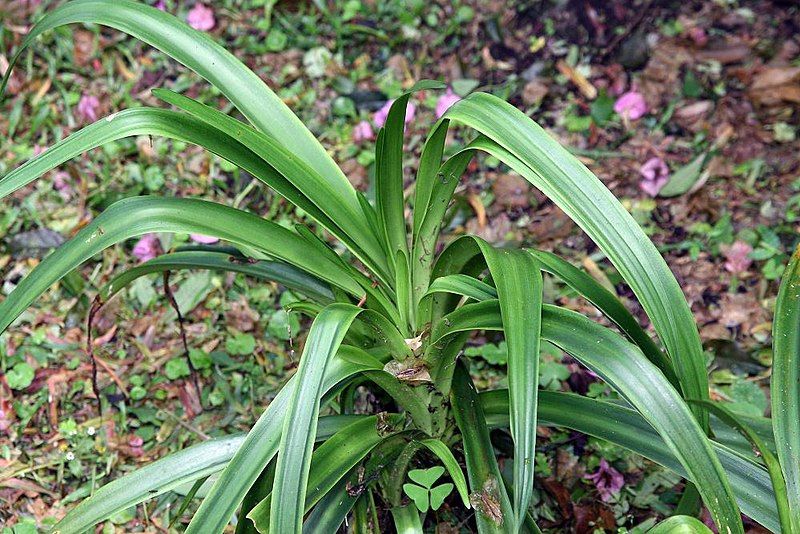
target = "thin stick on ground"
x: 174, y: 304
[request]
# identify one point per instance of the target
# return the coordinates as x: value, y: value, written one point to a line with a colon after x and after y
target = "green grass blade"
x: 294, y: 452
x: 623, y: 366
x: 139, y: 215
x: 331, y: 462
x: 623, y: 426
x: 493, y: 511
x: 441, y: 450
x: 785, y: 385
x: 197, y: 51
x: 519, y: 142
x: 283, y: 273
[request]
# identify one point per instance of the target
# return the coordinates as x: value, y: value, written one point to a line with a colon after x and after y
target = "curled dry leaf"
x: 410, y: 370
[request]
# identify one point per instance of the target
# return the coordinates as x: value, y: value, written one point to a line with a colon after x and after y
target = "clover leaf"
x: 424, y: 495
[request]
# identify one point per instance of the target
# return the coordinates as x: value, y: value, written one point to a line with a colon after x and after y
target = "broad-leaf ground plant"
x: 393, y: 312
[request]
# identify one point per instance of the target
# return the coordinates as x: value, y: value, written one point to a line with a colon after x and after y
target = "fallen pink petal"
x: 88, y: 106
x: 363, y: 132
x: 201, y: 18
x: 61, y: 183
x: 631, y: 105
x: 136, y: 443
x: 380, y: 116
x: 698, y: 36
x: 445, y: 102
x: 737, y: 257
x: 147, y: 248
x: 607, y: 480
x: 655, y: 175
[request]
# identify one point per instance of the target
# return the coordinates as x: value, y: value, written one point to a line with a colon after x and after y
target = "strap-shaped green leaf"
x: 493, y: 511
x: 680, y: 524
x: 166, y: 123
x: 623, y: 426
x: 300, y: 421
x: 785, y: 385
x: 518, y: 279
x: 152, y: 480
x: 623, y: 366
x: 258, y: 449
x: 197, y: 51
x: 331, y: 462
x: 403, y: 290
x: 429, y: 162
x: 773, y: 467
x: 609, y: 305
x: 425, y: 237
x: 331, y: 511
x: 441, y: 450
x: 283, y: 273
x: 182, y: 467
x: 461, y: 284
x: 523, y: 145
x: 389, y: 200
x: 139, y: 215
x: 406, y: 520
x: 339, y: 206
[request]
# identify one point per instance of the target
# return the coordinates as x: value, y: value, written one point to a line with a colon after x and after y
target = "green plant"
x: 393, y: 314
x: 422, y: 491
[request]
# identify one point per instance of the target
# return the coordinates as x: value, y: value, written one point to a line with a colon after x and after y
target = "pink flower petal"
x: 87, y: 107
x: 699, y: 36
x: 445, y: 101
x: 653, y: 187
x: 607, y: 480
x: 204, y: 239
x: 631, y: 105
x: 380, y: 116
x: 363, y: 132
x: 61, y: 184
x: 147, y: 248
x: 655, y: 175
x: 201, y: 18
